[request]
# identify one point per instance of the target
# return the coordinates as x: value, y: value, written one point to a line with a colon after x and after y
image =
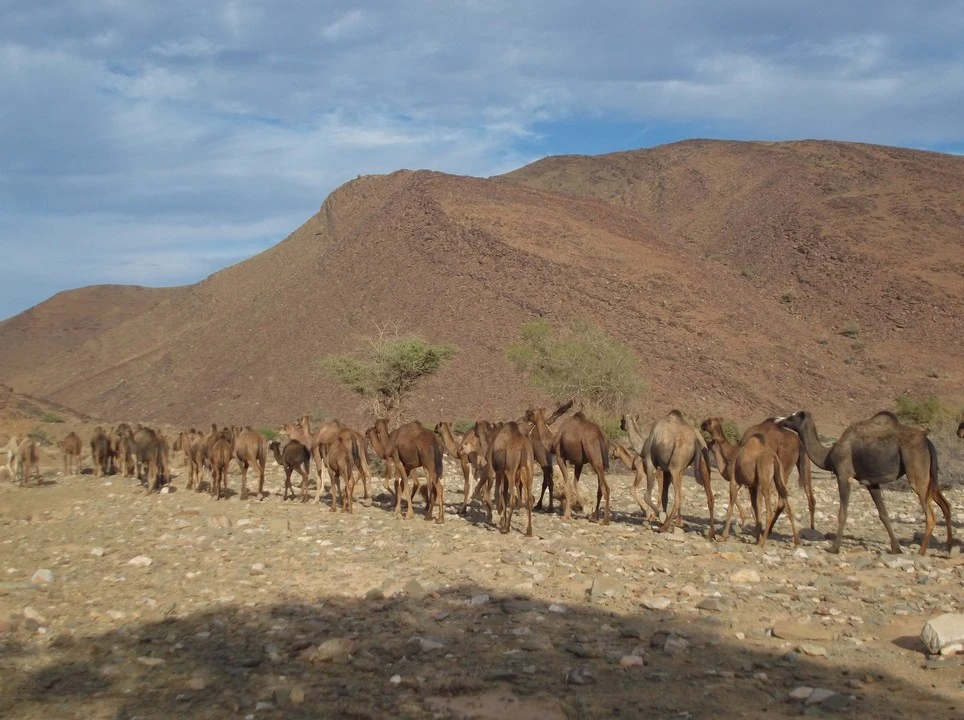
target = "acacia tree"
x: 387, y: 369
x: 580, y: 360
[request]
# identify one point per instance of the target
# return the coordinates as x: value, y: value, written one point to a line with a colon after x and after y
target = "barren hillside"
x: 732, y: 268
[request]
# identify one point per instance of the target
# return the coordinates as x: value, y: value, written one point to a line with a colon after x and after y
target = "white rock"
x: 42, y: 577
x: 140, y: 561
x: 818, y: 696
x: 801, y: 693
x: 943, y: 630
x: 746, y: 575
x: 31, y: 614
x: 97, y: 552
x: 657, y: 603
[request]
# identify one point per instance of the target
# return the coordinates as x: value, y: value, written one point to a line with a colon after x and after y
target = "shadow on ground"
x: 466, y: 646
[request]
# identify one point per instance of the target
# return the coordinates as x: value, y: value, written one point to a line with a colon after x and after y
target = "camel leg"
x: 929, y: 519
x: 399, y: 489
x: 734, y: 491
x: 440, y: 494
x: 261, y: 481
x: 409, y: 483
x: 602, y: 485
x: 755, y: 504
x: 677, y: 482
x: 946, y: 509
x: 843, y: 489
x: 244, y: 480
x: 707, y: 487
x: 567, y: 509
x: 547, y: 484
x: 634, y: 493
x: 877, y: 494
x: 764, y: 529
x: 526, y: 493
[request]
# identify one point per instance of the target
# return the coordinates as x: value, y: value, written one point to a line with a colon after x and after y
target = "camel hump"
x: 675, y: 414
x: 885, y: 416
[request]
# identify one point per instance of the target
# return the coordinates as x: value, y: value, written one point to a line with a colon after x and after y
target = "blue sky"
x: 154, y: 143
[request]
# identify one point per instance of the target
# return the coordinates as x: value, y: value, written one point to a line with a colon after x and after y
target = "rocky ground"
x: 114, y: 604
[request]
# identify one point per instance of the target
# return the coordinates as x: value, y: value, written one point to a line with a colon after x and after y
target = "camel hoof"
x: 834, y: 549
x: 605, y: 521
x: 898, y: 551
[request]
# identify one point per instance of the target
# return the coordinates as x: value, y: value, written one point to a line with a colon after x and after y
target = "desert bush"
x: 462, y: 426
x: 40, y: 436
x: 268, y: 433
x: 49, y: 417
x: 851, y: 330
x: 731, y: 431
x: 928, y: 412
x: 580, y: 360
x: 388, y: 369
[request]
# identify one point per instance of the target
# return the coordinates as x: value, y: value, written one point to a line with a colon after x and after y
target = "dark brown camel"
x: 536, y: 425
x: 72, y: 447
x: 757, y: 467
x: 99, y: 451
x: 672, y: 446
x: 150, y: 453
x: 413, y: 446
x: 250, y: 450
x: 579, y: 442
x: 785, y: 443
x: 876, y: 451
x: 291, y: 456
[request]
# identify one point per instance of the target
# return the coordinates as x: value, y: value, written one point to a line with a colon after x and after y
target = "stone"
x: 297, y: 695
x: 801, y: 693
x: 478, y: 600
x: 796, y: 631
x: 747, y: 575
x: 197, y: 683
x: 713, y: 604
x: 97, y: 552
x: 818, y: 696
x: 605, y: 587
x: 375, y: 594
x: 30, y: 614
x: 335, y: 650
x: 675, y: 645
x: 631, y: 661
x: 657, y: 603
x: 812, y: 650
x: 414, y: 589
x: 140, y: 561
x: 257, y: 569
x: 42, y: 577
x: 943, y: 630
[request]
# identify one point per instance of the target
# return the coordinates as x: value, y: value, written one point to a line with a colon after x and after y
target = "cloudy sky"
x: 156, y: 142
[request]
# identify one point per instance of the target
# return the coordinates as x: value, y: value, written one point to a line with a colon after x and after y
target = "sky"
x: 154, y: 143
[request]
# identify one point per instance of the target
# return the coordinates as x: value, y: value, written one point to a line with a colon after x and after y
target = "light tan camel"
x: 672, y: 446
x: 468, y: 463
x: 250, y: 450
x: 72, y: 447
x: 629, y: 424
x: 341, y: 457
x: 785, y: 443
x: 122, y: 449
x: 26, y: 461
x: 197, y: 459
x: 292, y: 455
x: 319, y: 440
x: 537, y: 426
x: 371, y: 435
x: 757, y: 467
x: 579, y: 442
x: 874, y: 452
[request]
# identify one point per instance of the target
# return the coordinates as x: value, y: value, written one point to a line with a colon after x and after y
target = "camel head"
x: 794, y: 421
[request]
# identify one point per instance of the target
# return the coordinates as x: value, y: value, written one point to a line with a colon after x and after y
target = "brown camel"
x: 876, y: 451
x: 536, y: 425
x: 378, y: 447
x: 72, y: 447
x: 219, y: 458
x: 479, y: 441
x: 757, y: 467
x: 197, y: 459
x: 341, y: 457
x: 629, y: 424
x: 291, y: 456
x: 579, y: 442
x: 413, y: 446
x: 785, y: 443
x: 250, y: 450
x: 319, y: 440
x: 150, y: 453
x: 672, y: 446
x: 511, y: 457
x: 122, y: 449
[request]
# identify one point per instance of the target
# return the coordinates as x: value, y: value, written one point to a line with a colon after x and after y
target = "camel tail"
x: 355, y: 454
x: 604, y: 449
x: 803, y: 470
x: 702, y: 467
x: 550, y: 462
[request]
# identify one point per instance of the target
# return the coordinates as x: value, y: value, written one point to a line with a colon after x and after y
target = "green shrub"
x: 268, y: 433
x: 49, y: 417
x: 851, y: 330
x: 731, y: 431
x: 462, y: 426
x: 927, y: 412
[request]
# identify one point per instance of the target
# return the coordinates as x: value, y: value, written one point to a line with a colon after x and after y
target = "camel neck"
x: 816, y: 451
x: 724, y: 453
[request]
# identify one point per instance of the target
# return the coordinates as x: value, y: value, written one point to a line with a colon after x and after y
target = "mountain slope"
x: 732, y: 269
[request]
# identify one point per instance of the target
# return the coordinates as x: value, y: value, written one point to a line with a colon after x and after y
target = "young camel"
x: 26, y: 461
x: 100, y: 451
x: 672, y: 446
x: 219, y: 458
x: 319, y: 440
x: 468, y: 462
x: 876, y: 451
x: 72, y: 447
x: 341, y: 457
x: 291, y: 456
x: 511, y: 457
x: 197, y: 457
x: 250, y: 450
x: 785, y: 443
x: 757, y: 467
x: 581, y: 441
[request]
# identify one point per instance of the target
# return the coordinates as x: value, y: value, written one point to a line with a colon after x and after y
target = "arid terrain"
x: 177, y: 605
x: 750, y: 278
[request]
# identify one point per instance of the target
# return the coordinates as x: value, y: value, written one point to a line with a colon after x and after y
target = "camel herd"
x: 498, y: 460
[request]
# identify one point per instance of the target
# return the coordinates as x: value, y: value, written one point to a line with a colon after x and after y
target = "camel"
x: 511, y: 457
x: 291, y: 456
x: 757, y: 467
x: 26, y: 461
x: 197, y: 456
x: 413, y: 446
x: 11, y: 449
x: 72, y: 447
x: 219, y: 458
x: 122, y: 450
x: 341, y: 457
x: 541, y: 436
x: 633, y: 462
x: 581, y: 441
x: 785, y: 443
x: 671, y: 447
x: 468, y: 463
x: 319, y: 440
x: 876, y: 451
x: 250, y: 450
x: 100, y: 451
x: 478, y: 442
x: 371, y: 435
x: 629, y: 425
x: 150, y: 452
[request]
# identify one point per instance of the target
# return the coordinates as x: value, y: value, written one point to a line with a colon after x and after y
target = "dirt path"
x: 281, y: 610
